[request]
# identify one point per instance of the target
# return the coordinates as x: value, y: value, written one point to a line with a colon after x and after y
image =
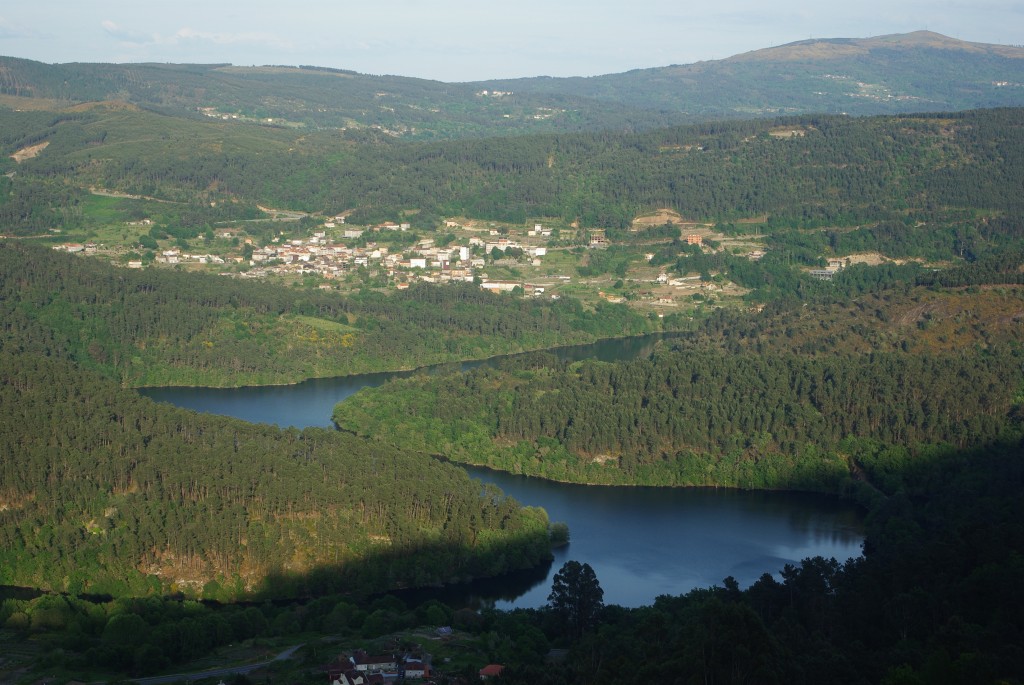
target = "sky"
x: 471, y: 40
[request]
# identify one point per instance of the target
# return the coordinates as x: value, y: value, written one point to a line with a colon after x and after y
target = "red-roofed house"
x: 491, y: 671
x: 414, y: 668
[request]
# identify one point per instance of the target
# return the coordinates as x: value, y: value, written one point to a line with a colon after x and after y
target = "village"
x: 424, y: 261
x: 361, y: 668
x: 535, y: 260
x: 333, y: 255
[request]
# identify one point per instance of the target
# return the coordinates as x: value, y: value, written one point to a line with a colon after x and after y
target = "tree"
x: 576, y: 597
x: 559, y: 532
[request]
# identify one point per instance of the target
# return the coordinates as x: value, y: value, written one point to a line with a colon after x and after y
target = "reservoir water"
x: 644, y: 542
x: 641, y: 542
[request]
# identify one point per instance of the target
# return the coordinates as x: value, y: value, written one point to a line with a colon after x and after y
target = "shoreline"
x: 409, y: 369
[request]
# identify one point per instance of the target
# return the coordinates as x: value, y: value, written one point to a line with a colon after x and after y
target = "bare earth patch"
x: 869, y: 258
x: 789, y: 132
x: 658, y: 218
x: 29, y: 152
x: 663, y: 216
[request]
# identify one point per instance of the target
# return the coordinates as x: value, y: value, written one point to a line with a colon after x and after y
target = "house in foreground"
x: 491, y: 671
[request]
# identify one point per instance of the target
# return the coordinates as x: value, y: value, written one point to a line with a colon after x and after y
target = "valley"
x: 801, y: 273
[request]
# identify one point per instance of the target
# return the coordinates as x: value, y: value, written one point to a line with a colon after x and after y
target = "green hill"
x: 807, y: 396
x: 312, y: 98
x: 914, y: 72
x: 161, y: 327
x: 805, y: 171
x: 105, y: 492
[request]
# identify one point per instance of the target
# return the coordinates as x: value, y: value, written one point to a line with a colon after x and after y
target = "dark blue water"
x: 644, y: 542
x: 641, y: 542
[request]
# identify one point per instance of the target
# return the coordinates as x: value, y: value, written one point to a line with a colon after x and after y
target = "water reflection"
x: 487, y: 592
x: 644, y: 542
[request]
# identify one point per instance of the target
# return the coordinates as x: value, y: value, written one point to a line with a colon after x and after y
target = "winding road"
x: 216, y: 672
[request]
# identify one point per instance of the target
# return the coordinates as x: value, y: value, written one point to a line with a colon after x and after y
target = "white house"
x: 500, y: 286
x: 369, y: 663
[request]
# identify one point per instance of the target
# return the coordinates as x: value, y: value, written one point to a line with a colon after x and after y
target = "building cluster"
x: 326, y: 257
x: 424, y: 261
x: 76, y: 248
x: 214, y: 113
x: 361, y: 668
x: 834, y: 267
x: 176, y: 256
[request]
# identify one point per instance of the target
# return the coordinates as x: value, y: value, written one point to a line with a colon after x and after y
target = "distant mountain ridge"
x: 838, y: 47
x: 914, y: 72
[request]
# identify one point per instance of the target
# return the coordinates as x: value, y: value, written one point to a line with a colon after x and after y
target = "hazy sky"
x: 465, y: 40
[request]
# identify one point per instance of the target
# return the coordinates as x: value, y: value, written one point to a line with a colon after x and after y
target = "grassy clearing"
x: 324, y: 325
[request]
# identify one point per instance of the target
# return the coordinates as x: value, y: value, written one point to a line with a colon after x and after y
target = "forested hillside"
x: 161, y: 327
x: 105, y: 492
x: 810, y: 172
x: 102, y: 491
x: 811, y: 396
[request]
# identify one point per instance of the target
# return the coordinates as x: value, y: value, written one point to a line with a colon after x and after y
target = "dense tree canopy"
x: 801, y: 397
x: 839, y: 172
x: 934, y: 599
x: 104, y: 491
